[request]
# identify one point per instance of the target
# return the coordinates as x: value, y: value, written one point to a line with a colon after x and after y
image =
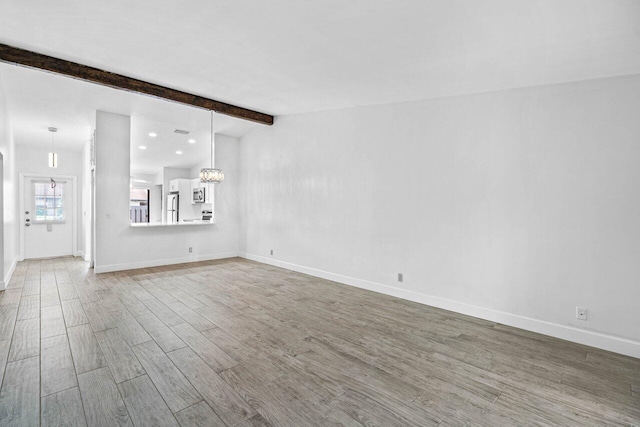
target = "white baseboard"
x: 83, y: 255
x: 7, y: 277
x: 160, y: 262
x: 581, y: 336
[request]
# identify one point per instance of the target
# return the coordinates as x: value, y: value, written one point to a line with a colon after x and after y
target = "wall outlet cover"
x: 581, y: 313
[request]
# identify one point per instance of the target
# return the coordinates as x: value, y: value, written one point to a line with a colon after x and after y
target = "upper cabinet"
x: 195, y: 184
x: 182, y: 187
x: 174, y: 185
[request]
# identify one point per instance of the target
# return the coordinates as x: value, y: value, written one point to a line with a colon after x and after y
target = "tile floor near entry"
x: 237, y: 343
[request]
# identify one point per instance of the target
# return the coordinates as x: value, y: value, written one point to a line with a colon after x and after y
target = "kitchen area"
x: 165, y: 184
x: 188, y: 201
x: 175, y: 201
x: 158, y: 175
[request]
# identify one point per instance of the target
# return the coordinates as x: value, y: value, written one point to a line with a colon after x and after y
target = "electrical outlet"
x: 581, y: 313
x: 271, y: 251
x: 190, y: 249
x: 400, y: 277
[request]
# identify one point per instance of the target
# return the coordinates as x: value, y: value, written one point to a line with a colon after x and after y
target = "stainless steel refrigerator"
x: 173, y: 208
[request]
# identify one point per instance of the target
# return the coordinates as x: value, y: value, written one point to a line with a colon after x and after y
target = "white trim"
x: 74, y: 213
x: 612, y: 343
x: 7, y: 277
x: 162, y: 262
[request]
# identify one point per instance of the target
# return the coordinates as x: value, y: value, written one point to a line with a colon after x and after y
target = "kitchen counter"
x: 175, y: 224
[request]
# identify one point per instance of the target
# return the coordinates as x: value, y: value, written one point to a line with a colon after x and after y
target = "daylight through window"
x: 49, y: 202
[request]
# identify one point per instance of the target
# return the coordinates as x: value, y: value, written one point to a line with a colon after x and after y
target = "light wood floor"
x: 238, y: 343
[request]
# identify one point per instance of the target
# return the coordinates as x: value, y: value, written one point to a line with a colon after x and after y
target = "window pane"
x: 49, y: 202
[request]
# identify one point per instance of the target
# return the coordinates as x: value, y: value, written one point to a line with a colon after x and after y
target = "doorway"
x: 48, y: 207
x: 139, y: 205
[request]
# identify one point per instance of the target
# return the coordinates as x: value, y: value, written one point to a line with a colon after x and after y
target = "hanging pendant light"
x: 53, y: 156
x: 211, y: 175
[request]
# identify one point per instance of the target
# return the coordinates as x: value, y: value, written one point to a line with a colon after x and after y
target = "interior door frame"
x: 74, y: 211
x: 3, y: 283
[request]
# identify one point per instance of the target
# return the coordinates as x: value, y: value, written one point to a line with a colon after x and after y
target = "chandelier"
x: 211, y: 175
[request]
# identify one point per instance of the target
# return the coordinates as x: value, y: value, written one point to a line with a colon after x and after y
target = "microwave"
x: 198, y: 195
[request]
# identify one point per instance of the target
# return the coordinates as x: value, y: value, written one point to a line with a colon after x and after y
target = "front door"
x: 48, y: 217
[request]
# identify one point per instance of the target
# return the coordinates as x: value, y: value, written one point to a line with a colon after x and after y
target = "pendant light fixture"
x: 211, y: 175
x: 53, y: 156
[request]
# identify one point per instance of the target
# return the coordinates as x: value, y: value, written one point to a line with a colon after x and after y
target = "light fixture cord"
x: 211, y: 148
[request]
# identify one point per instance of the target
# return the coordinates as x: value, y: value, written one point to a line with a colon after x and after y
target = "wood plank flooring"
x: 238, y: 343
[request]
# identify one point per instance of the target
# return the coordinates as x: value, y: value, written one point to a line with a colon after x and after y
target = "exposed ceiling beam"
x: 26, y: 58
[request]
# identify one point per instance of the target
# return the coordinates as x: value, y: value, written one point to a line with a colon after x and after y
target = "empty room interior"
x: 340, y: 213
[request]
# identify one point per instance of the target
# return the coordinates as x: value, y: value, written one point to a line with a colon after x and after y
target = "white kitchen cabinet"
x: 174, y: 185
x: 182, y: 186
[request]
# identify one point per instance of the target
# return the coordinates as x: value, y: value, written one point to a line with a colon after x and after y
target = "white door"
x: 48, y: 217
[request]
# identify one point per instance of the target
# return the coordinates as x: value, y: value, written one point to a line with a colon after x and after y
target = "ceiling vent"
x: 182, y: 132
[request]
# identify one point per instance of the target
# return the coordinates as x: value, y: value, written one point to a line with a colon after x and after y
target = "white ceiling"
x: 291, y: 56
x: 161, y: 150
x: 287, y: 57
x: 38, y: 100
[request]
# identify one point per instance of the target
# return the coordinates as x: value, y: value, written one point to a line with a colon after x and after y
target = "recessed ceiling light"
x: 192, y: 141
x: 178, y: 152
x: 153, y: 134
x: 142, y: 147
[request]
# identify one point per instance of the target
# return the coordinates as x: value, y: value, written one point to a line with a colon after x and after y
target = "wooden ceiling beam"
x: 26, y: 58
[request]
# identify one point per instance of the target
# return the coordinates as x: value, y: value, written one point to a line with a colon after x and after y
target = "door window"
x: 49, y: 202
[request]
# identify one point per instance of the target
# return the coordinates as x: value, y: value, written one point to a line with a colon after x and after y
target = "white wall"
x: 30, y: 159
x: 85, y: 203
x: 9, y: 209
x: 515, y: 206
x: 120, y: 246
x: 155, y: 200
x: 226, y: 195
x: 35, y: 160
x: 4, y: 283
